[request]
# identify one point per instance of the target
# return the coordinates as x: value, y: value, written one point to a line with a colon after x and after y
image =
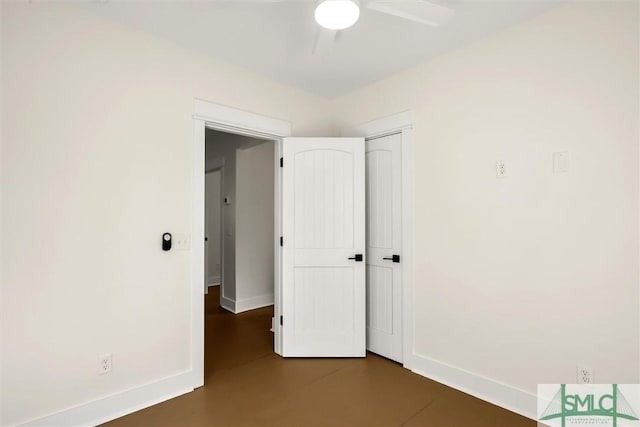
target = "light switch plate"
x: 561, y: 162
x: 181, y: 242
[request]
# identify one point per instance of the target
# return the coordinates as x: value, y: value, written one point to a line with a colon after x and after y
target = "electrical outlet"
x: 104, y: 366
x: 501, y: 169
x: 585, y: 374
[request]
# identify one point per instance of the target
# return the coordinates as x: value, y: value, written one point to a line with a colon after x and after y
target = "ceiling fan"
x: 336, y: 15
x: 341, y: 14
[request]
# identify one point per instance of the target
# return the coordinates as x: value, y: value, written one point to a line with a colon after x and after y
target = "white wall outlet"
x: 585, y: 374
x: 181, y: 242
x: 561, y: 162
x: 104, y: 364
x: 501, y: 169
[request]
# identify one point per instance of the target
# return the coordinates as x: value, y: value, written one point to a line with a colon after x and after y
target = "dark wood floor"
x: 246, y: 384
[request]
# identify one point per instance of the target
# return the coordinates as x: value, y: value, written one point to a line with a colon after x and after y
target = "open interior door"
x: 323, y: 265
x: 383, y: 163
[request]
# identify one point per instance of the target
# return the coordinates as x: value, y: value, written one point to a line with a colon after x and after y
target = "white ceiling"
x: 276, y: 39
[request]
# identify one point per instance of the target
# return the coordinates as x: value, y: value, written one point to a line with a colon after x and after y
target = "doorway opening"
x: 239, y: 219
x: 213, y: 117
x: 239, y: 254
x: 210, y: 116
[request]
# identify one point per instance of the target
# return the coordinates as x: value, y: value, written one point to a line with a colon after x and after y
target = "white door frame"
x: 401, y: 123
x: 220, y: 169
x: 222, y: 118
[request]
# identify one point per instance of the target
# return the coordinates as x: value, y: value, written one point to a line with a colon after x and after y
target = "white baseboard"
x: 228, y: 304
x: 253, y: 303
x: 213, y: 281
x: 119, y: 404
x: 247, y: 304
x: 503, y: 395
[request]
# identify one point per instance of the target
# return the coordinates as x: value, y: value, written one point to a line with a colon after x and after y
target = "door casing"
x: 226, y: 119
x: 220, y: 170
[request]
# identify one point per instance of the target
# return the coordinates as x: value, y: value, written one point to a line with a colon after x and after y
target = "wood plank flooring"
x: 247, y: 385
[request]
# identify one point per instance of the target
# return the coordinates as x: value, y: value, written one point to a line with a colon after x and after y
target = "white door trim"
x: 401, y: 123
x: 233, y: 120
x: 219, y: 117
x: 218, y: 167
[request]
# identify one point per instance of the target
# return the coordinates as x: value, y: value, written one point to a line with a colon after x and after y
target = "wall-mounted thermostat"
x: 166, y: 241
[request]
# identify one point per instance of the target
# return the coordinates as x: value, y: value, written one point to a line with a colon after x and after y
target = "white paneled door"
x: 323, y: 263
x: 384, y: 243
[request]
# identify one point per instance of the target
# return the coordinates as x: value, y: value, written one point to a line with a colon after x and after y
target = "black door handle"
x: 206, y: 239
x: 394, y: 258
x: 357, y: 257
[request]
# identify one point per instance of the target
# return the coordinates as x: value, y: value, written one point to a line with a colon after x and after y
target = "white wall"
x: 213, y: 218
x: 96, y: 165
x: 255, y: 226
x: 520, y: 279
x: 517, y: 280
x: 1, y: 207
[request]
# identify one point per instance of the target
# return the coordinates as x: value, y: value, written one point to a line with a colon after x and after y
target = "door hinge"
x: 281, y: 162
x: 281, y: 241
x: 281, y: 323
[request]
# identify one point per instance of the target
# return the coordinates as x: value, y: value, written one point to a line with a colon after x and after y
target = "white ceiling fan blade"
x: 420, y: 11
x: 323, y: 38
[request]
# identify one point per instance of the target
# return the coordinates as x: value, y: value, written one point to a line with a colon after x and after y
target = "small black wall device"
x: 166, y: 241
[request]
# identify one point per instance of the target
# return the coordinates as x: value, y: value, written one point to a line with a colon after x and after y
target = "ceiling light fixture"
x: 337, y: 14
